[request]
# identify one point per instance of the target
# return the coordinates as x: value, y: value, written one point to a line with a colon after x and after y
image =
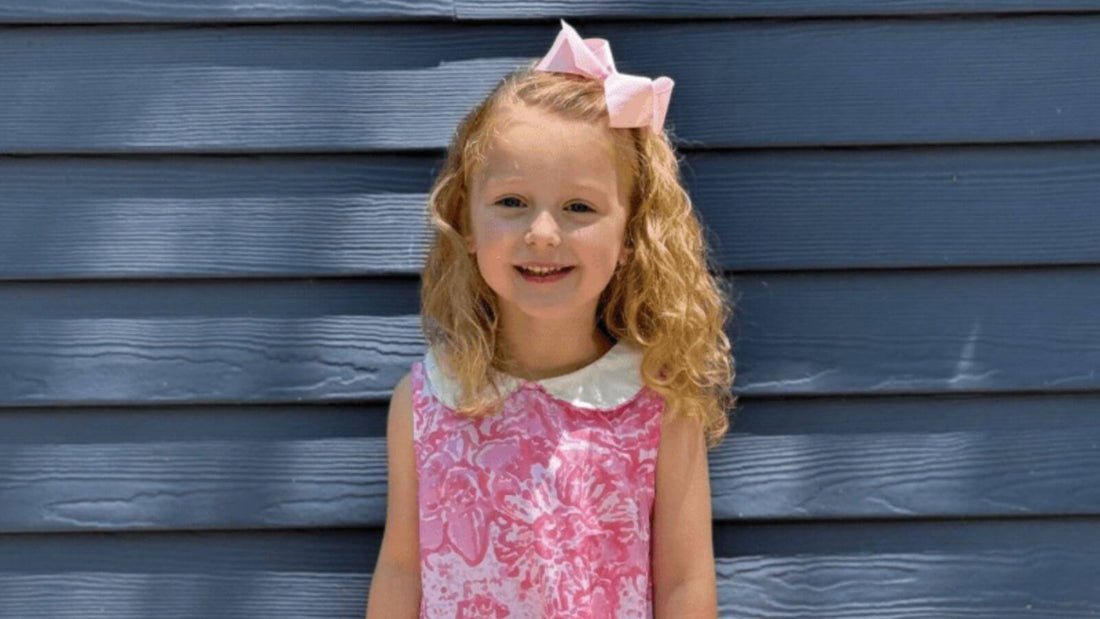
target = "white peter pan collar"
x: 607, y: 382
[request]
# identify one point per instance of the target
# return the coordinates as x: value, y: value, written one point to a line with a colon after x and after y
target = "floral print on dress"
x: 542, y: 511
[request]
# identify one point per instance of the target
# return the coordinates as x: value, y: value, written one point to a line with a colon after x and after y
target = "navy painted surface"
x: 363, y: 215
x: 394, y: 87
x: 210, y: 234
x: 229, y: 11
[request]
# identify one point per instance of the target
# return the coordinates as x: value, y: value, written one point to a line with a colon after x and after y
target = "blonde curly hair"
x: 663, y: 299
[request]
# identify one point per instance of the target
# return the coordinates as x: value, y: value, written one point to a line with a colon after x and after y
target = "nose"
x: 544, y: 230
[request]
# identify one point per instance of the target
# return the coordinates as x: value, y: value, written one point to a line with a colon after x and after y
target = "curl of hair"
x: 664, y: 299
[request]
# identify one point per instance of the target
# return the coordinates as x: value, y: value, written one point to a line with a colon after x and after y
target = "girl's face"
x: 551, y: 190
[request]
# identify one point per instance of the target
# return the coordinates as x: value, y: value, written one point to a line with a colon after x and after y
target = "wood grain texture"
x: 892, y: 208
x: 872, y: 332
x: 943, y: 568
x: 699, y: 9
x: 205, y: 359
x: 909, y: 457
x: 218, y: 11
x: 947, y: 568
x: 201, y: 11
x: 784, y: 460
x: 201, y: 574
x: 190, y: 485
x: 196, y: 351
x: 805, y: 334
x: 339, y: 87
x: 950, y: 583
x: 269, y: 216
x: 136, y: 424
x: 349, y: 215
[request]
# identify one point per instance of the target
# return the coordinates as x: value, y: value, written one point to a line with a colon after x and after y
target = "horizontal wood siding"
x: 212, y: 225
x: 226, y: 11
x: 394, y: 87
x: 801, y: 460
x: 363, y: 215
x: 916, y: 569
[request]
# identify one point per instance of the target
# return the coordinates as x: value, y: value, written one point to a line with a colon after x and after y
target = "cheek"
x: 494, y: 241
x: 487, y: 231
x: 496, y: 229
x: 601, y: 244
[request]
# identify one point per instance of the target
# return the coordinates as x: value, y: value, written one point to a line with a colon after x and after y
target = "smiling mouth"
x: 550, y: 276
x: 524, y: 271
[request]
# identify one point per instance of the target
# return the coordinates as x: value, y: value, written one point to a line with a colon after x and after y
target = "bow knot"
x: 632, y: 100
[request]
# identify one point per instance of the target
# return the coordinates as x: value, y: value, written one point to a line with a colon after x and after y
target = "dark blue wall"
x: 212, y: 222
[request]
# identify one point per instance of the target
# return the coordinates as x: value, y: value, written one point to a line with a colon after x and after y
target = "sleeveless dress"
x: 545, y: 510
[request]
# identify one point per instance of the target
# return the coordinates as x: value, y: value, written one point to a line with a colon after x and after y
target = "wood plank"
x: 903, y: 569
x: 765, y: 209
x: 689, y: 9
x: 805, y: 334
x: 202, y: 11
x: 205, y: 574
x: 784, y: 460
x: 214, y: 216
x: 810, y: 209
x: 306, y: 298
x: 339, y: 87
x: 892, y: 332
x: 220, y: 11
x: 293, y: 595
x: 110, y: 361
x: 193, y: 485
x: 909, y: 457
x: 91, y: 425
x: 339, y: 551
x: 971, y: 568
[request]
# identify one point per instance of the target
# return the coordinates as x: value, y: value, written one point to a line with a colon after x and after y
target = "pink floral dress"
x: 545, y: 510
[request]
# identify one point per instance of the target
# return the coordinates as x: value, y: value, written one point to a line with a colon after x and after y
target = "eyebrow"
x: 508, y: 179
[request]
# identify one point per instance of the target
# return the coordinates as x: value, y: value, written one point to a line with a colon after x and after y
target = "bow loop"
x: 632, y: 100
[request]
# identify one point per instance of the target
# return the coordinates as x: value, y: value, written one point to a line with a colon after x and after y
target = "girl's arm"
x: 684, y: 580
x: 395, y: 586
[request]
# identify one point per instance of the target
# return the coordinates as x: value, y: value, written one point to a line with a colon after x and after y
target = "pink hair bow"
x: 632, y: 100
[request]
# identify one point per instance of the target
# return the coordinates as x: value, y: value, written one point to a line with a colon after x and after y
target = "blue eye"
x: 502, y: 202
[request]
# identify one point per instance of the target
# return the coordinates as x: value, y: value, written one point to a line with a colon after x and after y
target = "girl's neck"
x: 537, y: 359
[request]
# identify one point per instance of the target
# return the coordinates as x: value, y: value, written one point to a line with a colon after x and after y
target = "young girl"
x: 547, y: 457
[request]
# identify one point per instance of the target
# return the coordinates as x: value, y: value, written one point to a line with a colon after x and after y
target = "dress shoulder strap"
x: 419, y: 382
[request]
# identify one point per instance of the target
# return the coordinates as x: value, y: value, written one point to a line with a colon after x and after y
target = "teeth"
x: 542, y: 271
